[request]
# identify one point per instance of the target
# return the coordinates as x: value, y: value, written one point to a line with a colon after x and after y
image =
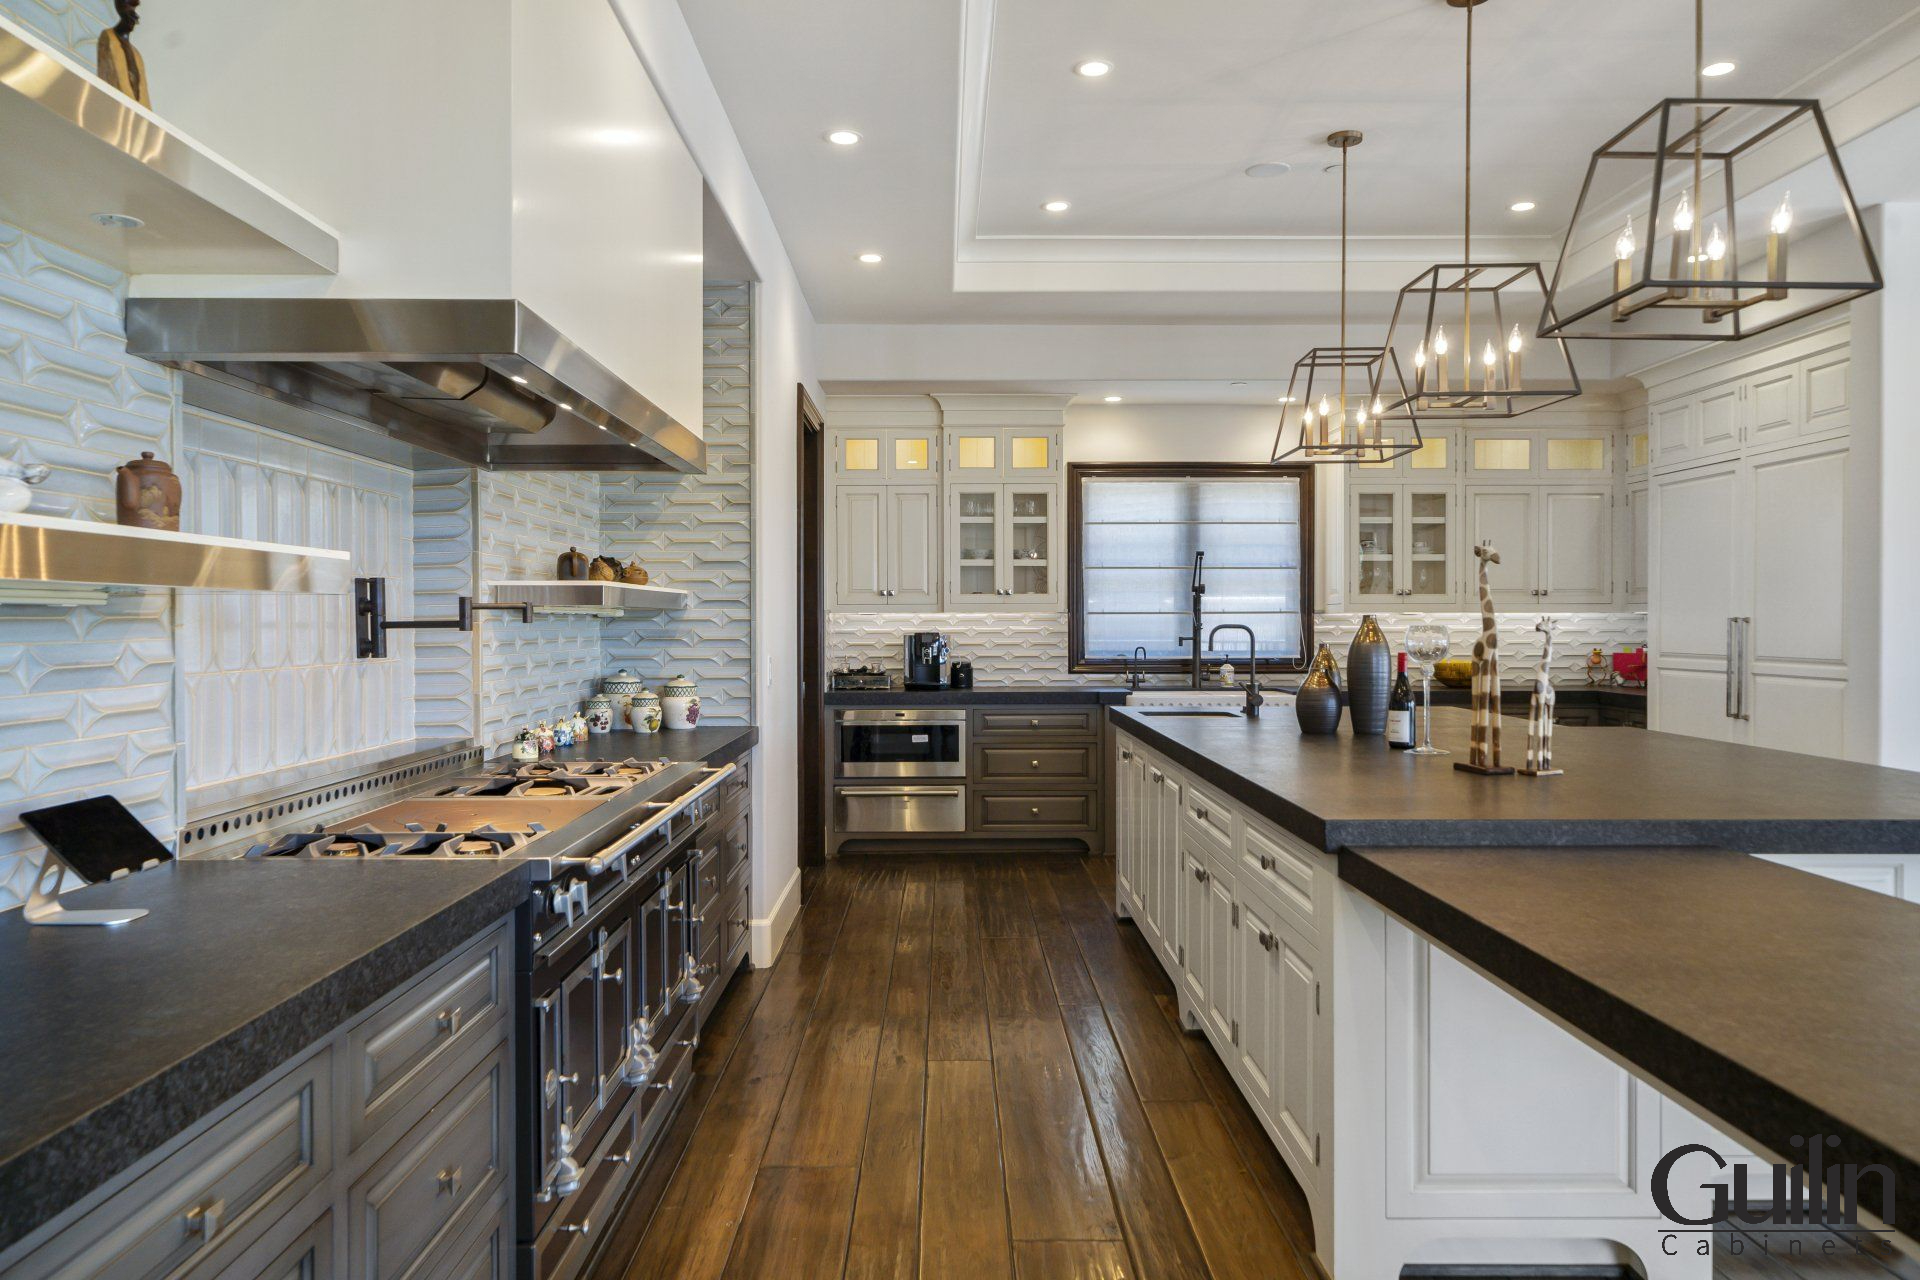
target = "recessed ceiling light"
x: 617, y: 137
x: 1286, y: 400
x: 517, y: 378
x: 119, y: 221
x: 843, y: 137
x: 1057, y: 206
x: 1236, y: 384
x: 1268, y: 169
x: 1092, y: 68
x: 1112, y: 399
x: 1717, y: 69
x: 869, y: 258
x: 1522, y: 206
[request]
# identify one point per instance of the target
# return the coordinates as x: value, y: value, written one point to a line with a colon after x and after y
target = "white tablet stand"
x: 43, y: 904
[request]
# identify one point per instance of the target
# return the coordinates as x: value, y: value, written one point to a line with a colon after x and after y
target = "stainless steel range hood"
x: 485, y: 382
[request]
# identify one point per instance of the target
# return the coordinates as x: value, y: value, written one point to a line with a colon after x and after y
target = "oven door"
x: 882, y: 743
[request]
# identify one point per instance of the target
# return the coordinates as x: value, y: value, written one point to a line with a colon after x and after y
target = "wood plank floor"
x: 965, y: 1067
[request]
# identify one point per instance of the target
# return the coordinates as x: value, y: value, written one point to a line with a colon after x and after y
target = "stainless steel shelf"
x: 603, y: 599
x: 37, y: 548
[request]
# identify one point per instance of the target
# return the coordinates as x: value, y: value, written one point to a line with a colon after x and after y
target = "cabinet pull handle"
x: 1266, y: 862
x: 1159, y: 776
x: 1126, y: 755
x: 1733, y: 665
x: 624, y: 1157
x: 1200, y: 813
x: 1200, y: 874
x: 618, y: 975
x: 1035, y: 811
x: 203, y: 1219
x: 449, y: 1181
x: 582, y: 1227
x: 1267, y: 941
x: 448, y: 1020
x: 1034, y: 763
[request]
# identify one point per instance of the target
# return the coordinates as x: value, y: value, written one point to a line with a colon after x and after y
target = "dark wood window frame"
x: 1078, y: 472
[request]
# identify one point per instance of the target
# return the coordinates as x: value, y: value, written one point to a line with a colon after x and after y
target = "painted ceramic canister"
x: 643, y: 713
x: 147, y: 494
x: 1368, y: 683
x: 680, y: 701
x: 1318, y: 702
x: 621, y: 686
x: 599, y: 713
x: 524, y: 746
x: 563, y: 732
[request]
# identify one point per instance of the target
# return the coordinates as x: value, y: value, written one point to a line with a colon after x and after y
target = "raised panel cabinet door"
x: 1692, y: 700
x: 1196, y: 937
x: 1295, y: 1009
x: 1829, y: 394
x: 1717, y: 424
x: 1223, y: 919
x: 1671, y: 425
x: 859, y: 546
x: 1638, y: 541
x: 1773, y: 406
x: 1123, y: 827
x: 1508, y: 517
x: 1153, y: 878
x: 1695, y: 578
x: 913, y: 529
x: 1168, y: 816
x: 1576, y: 547
x: 1799, y: 569
x: 1258, y: 968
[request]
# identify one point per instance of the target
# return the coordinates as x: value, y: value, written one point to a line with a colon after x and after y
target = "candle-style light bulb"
x: 1377, y: 410
x: 1783, y: 216
x: 1420, y: 357
x: 1513, y: 341
x: 1683, y: 214
x: 1623, y: 247
x: 1716, y: 245
x: 1440, y: 341
x: 1487, y: 356
x: 1325, y: 408
x: 1781, y: 223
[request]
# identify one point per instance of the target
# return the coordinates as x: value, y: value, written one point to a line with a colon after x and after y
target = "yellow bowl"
x: 1455, y: 673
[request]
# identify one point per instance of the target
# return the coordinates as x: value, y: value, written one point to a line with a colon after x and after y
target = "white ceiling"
x: 970, y: 117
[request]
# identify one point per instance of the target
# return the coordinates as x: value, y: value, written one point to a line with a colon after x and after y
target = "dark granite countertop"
x: 709, y: 743
x: 1620, y: 788
x: 1782, y: 1002
x: 982, y: 695
x: 117, y: 1039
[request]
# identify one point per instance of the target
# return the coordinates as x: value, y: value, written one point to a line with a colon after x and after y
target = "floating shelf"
x: 37, y: 548
x: 597, y: 599
x: 76, y: 148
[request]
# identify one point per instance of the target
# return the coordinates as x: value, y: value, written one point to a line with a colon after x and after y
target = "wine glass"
x: 1427, y: 643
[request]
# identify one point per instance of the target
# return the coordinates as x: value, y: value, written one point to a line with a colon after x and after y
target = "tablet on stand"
x: 95, y: 840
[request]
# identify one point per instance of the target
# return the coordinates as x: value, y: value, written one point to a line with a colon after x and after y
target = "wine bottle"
x: 1400, y: 709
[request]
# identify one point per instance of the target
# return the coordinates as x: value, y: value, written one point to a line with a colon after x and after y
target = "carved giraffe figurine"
x: 1483, y: 753
x: 1540, y: 710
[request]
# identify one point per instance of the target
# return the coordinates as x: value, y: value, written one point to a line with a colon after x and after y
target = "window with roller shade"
x: 1134, y: 529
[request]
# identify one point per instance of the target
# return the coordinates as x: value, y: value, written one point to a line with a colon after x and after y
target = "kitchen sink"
x: 1191, y: 712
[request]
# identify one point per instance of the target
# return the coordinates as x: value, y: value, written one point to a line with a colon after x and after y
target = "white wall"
x: 783, y: 354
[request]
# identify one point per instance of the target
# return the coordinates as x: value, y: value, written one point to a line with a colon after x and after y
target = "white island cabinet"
x: 1431, y: 1117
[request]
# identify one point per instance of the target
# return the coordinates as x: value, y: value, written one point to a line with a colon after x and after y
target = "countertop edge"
x: 44, y: 1180
x: 1656, y: 1047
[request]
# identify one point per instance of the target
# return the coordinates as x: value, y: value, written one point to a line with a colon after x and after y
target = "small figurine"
x: 603, y: 569
x: 632, y: 574
x: 1483, y: 749
x: 525, y: 747
x: 563, y: 732
x: 543, y: 735
x: 580, y: 726
x: 120, y: 64
x: 1597, y: 672
x: 1540, y: 710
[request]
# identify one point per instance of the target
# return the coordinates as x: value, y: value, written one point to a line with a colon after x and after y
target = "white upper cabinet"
x: 886, y: 546
x: 1766, y: 399
x: 1003, y: 453
x: 908, y: 455
x: 1576, y: 547
x: 1403, y: 544
x: 1508, y: 517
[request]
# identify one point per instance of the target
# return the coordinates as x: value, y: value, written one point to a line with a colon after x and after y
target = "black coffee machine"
x: 926, y: 659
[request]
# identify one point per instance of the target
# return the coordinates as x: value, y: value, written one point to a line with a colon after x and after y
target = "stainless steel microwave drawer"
x: 903, y: 810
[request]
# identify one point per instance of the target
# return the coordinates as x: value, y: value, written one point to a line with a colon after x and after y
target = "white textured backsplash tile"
x: 695, y: 533
x: 86, y: 695
x: 271, y: 679
x: 445, y: 674
x: 73, y: 25
x: 1031, y: 648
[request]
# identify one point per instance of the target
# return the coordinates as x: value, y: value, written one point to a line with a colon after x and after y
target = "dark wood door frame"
x: 810, y: 473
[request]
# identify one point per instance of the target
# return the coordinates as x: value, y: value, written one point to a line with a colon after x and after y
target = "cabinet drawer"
x: 483, y: 1254
x: 219, y: 1192
x: 1054, y: 722
x: 1209, y: 813
x: 1049, y: 764
x: 396, y: 1053
x: 1288, y: 871
x: 1034, y: 811
x: 310, y: 1257
x: 407, y: 1201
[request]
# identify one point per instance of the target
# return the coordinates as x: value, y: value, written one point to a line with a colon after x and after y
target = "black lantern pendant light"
x: 1480, y: 310
x: 1333, y: 406
x: 1711, y: 218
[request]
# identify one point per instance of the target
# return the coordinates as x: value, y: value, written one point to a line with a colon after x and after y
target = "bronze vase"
x: 1318, y: 702
x: 571, y: 566
x: 1368, y: 683
x: 147, y: 494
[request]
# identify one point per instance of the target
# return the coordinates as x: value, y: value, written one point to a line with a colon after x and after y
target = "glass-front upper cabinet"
x: 898, y: 454
x: 1437, y: 457
x: 1003, y: 541
x: 1003, y: 453
x: 1403, y: 544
